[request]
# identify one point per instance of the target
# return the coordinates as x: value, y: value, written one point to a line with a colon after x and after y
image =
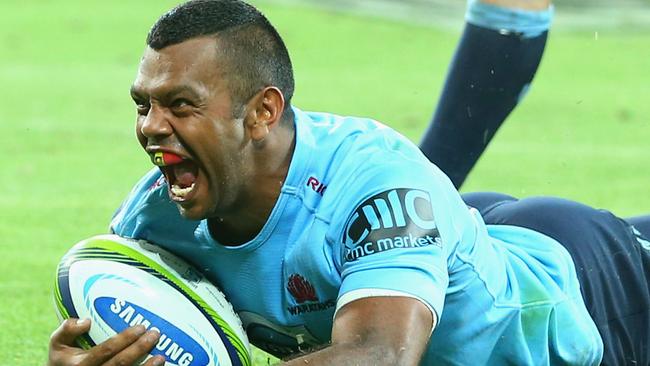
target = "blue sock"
x: 494, y: 64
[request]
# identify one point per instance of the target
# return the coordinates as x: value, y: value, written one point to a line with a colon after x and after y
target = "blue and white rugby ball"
x: 119, y: 282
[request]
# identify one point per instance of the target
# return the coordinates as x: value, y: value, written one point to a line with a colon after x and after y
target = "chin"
x: 192, y: 213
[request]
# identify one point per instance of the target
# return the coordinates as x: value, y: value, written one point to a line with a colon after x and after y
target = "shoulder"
x: 362, y: 153
x: 370, y: 174
x: 382, y: 165
x: 380, y: 184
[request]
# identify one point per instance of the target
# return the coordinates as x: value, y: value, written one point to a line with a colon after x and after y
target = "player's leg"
x: 612, y: 264
x: 485, y: 202
x: 495, y: 61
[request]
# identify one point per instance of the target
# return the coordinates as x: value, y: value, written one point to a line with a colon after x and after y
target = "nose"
x: 155, y: 124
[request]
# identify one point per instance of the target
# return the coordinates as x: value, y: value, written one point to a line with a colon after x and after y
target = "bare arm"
x: 376, y: 331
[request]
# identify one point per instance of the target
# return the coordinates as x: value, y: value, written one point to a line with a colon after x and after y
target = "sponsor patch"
x: 316, y: 185
x: 394, y: 219
x: 178, y: 347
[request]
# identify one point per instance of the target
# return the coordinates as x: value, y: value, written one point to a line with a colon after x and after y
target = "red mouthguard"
x: 164, y: 158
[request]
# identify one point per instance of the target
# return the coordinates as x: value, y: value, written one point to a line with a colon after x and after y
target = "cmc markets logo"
x: 394, y: 219
x: 305, y: 295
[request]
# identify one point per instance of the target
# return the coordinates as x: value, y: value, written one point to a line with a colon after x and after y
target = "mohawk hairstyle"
x: 254, y: 52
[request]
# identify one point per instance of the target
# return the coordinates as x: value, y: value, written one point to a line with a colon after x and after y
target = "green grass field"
x: 66, y: 122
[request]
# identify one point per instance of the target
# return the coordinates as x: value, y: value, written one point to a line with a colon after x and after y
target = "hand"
x: 125, y: 348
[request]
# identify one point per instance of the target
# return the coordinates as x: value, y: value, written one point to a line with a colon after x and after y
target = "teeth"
x: 181, y: 192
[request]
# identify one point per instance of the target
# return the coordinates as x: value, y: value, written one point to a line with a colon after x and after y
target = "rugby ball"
x: 118, y: 283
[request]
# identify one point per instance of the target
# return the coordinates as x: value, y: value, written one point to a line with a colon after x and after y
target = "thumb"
x: 68, y: 331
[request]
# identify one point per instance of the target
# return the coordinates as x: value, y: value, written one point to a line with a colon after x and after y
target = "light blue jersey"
x: 363, y: 213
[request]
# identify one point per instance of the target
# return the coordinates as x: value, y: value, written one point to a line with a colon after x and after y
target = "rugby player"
x: 495, y: 62
x: 337, y: 241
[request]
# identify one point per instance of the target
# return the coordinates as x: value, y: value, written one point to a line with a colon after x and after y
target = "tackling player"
x: 336, y: 233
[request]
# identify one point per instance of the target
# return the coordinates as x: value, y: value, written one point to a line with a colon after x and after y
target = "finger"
x: 136, y: 351
x: 68, y: 331
x: 155, y: 361
x: 114, y: 345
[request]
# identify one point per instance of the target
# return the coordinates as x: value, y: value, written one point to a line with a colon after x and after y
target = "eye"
x: 180, y: 103
x: 141, y: 107
x: 181, y: 107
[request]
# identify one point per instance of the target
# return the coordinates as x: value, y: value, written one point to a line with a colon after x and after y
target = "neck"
x: 251, y: 212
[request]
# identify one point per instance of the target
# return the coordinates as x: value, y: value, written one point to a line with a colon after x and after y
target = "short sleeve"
x: 391, y: 245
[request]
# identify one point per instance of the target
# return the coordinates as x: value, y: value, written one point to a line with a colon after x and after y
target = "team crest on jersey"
x: 301, y: 290
x: 305, y: 295
x: 394, y: 219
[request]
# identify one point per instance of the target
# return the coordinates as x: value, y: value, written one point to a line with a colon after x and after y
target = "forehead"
x: 192, y: 63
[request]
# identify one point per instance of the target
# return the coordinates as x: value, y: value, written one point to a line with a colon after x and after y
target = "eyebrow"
x: 136, y: 92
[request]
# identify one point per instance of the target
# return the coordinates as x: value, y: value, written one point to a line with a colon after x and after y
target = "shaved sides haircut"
x: 254, y: 53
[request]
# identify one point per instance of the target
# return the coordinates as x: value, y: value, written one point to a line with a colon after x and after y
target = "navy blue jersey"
x: 363, y: 213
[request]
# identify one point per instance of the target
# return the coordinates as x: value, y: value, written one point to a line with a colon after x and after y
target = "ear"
x: 266, y: 109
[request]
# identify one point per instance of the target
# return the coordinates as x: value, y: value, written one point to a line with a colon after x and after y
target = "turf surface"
x: 66, y: 122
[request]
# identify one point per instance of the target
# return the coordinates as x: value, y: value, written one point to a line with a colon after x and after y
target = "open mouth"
x: 181, y: 177
x: 181, y: 174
